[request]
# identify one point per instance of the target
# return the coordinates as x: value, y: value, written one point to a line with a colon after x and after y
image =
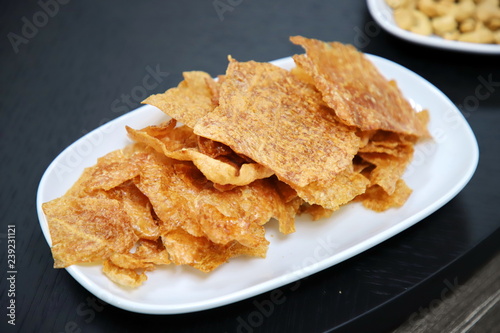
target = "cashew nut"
x: 404, y: 18
x: 398, y: 3
x: 476, y: 21
x: 464, y: 10
x: 480, y: 35
x: 428, y: 7
x: 493, y: 23
x: 468, y: 25
x: 451, y: 35
x: 496, y: 35
x: 444, y: 24
x: 422, y: 24
x: 433, y: 8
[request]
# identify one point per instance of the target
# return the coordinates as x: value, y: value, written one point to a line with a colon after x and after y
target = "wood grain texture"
x: 471, y: 307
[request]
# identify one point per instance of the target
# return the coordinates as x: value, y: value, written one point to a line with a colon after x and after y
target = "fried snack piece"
x: 316, y: 211
x: 181, y: 144
x: 128, y: 269
x: 193, y: 98
x: 279, y: 121
x: 146, y: 256
x: 203, y: 254
x: 110, y: 171
x: 130, y: 261
x: 139, y: 209
x: 353, y: 87
x: 152, y: 252
x: 111, y: 178
x: 123, y: 276
x: 87, y: 229
x: 335, y: 193
x: 387, y: 142
x: 377, y: 199
x: 388, y: 168
x: 183, y: 198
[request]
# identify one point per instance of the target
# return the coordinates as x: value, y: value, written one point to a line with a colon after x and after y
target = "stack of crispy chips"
x: 259, y: 143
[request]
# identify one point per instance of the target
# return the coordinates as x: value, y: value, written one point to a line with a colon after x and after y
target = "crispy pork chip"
x: 181, y: 144
x: 123, y: 276
x: 332, y: 194
x: 279, y: 121
x: 189, y: 101
x: 353, y: 87
x: 152, y: 252
x: 129, y: 269
x: 87, y: 229
x: 377, y: 199
x: 111, y: 178
x: 183, y: 198
x: 110, y: 171
x: 146, y: 256
x: 139, y: 209
x: 388, y: 168
x: 203, y: 254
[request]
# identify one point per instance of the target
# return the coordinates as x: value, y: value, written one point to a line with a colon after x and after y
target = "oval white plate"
x: 382, y: 14
x: 314, y: 247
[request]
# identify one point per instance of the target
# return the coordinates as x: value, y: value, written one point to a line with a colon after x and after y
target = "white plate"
x: 382, y: 14
x: 315, y: 245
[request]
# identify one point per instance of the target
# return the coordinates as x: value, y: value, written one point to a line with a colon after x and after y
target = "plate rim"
x: 284, y: 279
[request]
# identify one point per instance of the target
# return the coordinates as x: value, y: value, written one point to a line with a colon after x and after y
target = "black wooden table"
x: 69, y: 66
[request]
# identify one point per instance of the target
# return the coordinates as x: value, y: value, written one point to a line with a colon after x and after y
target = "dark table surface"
x: 65, y: 69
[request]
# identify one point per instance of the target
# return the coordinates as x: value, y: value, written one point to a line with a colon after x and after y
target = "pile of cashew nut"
x: 474, y: 21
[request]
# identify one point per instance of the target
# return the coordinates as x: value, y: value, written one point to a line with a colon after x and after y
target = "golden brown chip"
x: 130, y: 261
x: 147, y: 255
x: 168, y: 195
x: 87, y: 229
x: 353, y: 87
x: 203, y: 254
x: 280, y: 122
x: 183, y: 198
x: 189, y: 101
x: 388, y: 168
x: 184, y: 148
x: 377, y: 199
x: 389, y: 143
x: 335, y: 193
x: 316, y: 211
x: 302, y: 75
x: 152, y: 252
x: 123, y: 276
x: 110, y: 171
x: 213, y: 148
x: 138, y: 208
x: 213, y: 86
x: 258, y: 202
